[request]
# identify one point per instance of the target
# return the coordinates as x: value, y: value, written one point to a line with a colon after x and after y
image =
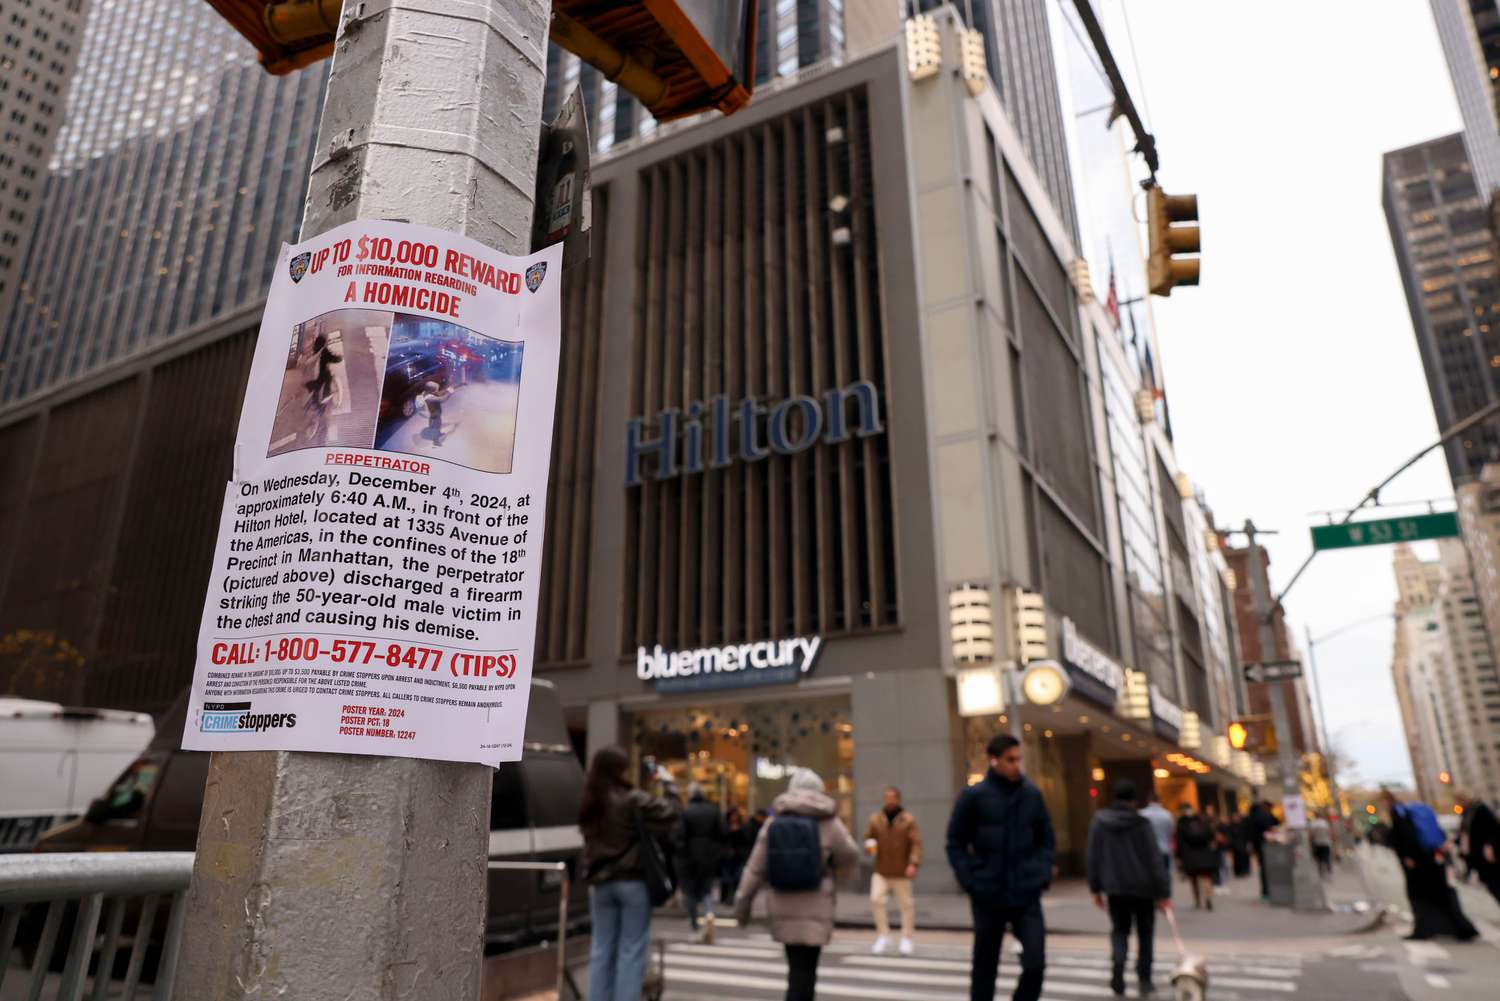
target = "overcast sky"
x: 1292, y: 373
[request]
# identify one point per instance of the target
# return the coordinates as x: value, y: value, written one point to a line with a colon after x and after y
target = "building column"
x: 604, y: 727
x: 905, y: 735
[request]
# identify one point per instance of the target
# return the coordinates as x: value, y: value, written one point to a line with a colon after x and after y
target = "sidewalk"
x: 1238, y: 914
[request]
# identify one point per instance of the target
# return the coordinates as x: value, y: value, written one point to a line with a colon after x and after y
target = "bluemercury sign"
x: 1095, y: 676
x: 734, y: 665
x: 1166, y: 717
x: 705, y: 437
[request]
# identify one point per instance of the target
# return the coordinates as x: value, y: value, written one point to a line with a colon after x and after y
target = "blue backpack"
x: 794, y: 853
x: 1429, y: 835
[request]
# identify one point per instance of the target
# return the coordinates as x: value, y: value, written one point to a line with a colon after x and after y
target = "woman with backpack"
x: 1422, y: 847
x: 620, y: 869
x: 798, y: 853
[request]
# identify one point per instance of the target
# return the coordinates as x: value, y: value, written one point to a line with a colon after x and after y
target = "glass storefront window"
x: 743, y: 753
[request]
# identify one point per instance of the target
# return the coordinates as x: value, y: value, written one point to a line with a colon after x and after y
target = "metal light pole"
x: 1307, y: 887
x: 339, y: 875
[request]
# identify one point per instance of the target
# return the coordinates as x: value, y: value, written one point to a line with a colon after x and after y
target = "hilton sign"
x: 699, y: 437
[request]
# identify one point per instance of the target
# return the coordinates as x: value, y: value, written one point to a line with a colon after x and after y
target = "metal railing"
x: 120, y: 888
x: 564, y: 978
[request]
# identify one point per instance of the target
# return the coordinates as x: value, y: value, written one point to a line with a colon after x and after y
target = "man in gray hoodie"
x: 1125, y: 866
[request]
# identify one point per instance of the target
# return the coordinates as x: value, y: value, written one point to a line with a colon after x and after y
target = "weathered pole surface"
x: 345, y: 876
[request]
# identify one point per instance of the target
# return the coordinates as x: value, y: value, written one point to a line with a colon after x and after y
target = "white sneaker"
x: 708, y: 930
x: 907, y: 948
x: 880, y: 945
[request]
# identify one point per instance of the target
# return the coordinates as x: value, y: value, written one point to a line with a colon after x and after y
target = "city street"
x: 1255, y: 952
x: 469, y: 472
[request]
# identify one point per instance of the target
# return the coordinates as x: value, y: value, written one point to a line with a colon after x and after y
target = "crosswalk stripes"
x: 755, y: 968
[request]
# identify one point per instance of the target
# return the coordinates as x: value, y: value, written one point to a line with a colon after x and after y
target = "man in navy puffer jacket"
x: 1002, y: 849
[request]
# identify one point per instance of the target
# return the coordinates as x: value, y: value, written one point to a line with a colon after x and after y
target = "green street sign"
x: 1385, y: 531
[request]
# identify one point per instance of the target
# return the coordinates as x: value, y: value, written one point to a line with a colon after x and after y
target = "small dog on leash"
x: 1190, y: 979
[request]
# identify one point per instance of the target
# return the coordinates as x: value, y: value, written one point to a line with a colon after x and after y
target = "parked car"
x: 55, y: 759
x: 155, y: 802
x: 406, y: 373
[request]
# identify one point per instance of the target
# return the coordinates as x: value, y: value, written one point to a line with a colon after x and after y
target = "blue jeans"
x: 621, y: 911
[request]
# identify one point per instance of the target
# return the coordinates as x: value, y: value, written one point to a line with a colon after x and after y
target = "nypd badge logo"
x: 298, y: 266
x: 535, y: 274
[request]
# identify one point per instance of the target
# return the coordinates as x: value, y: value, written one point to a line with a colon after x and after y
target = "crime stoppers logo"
x: 236, y: 717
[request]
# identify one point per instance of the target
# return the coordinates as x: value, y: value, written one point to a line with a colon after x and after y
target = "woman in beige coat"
x: 801, y: 920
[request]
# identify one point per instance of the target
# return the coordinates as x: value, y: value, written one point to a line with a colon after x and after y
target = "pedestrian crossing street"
x: 754, y: 967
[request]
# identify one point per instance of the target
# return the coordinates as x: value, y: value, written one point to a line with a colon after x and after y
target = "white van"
x: 54, y: 760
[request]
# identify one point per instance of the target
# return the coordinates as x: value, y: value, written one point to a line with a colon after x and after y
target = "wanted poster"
x: 374, y: 587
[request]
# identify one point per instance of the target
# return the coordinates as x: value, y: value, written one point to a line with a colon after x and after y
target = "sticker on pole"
x: 374, y: 587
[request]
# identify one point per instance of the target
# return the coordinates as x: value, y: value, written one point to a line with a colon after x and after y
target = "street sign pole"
x: 322, y: 875
x: 1328, y: 763
x: 1307, y: 887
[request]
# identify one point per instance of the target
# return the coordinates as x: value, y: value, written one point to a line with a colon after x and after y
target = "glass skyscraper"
x: 1440, y: 228
x: 180, y: 168
x: 1470, y: 33
x: 39, y: 43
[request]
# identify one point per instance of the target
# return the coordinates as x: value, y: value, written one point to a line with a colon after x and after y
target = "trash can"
x: 1279, y: 873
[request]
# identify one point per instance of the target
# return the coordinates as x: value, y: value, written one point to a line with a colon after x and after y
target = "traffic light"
x: 1031, y: 626
x: 1255, y: 734
x: 1167, y: 218
x: 677, y: 57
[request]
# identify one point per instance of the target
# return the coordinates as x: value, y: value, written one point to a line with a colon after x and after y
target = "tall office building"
x: 1445, y: 252
x: 1018, y: 49
x: 797, y: 33
x: 789, y: 36
x: 792, y: 35
x: 784, y: 255
x: 180, y: 168
x: 1470, y: 34
x: 40, y: 48
x: 1445, y: 675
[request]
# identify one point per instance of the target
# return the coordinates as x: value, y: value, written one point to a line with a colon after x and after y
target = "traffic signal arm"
x: 651, y: 48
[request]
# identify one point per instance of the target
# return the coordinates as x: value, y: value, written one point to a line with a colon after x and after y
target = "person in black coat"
x: 1257, y: 826
x: 1125, y: 866
x: 741, y: 839
x: 703, y: 839
x: 1434, y: 904
x: 1003, y: 851
x: 1198, y: 851
x: 1239, y: 844
x: 1481, y: 842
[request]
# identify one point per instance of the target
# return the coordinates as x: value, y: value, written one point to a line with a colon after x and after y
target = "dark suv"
x: 406, y: 373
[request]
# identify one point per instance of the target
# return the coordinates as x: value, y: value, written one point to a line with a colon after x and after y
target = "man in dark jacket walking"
x: 1125, y: 866
x: 704, y: 839
x: 1002, y: 849
x: 1257, y: 825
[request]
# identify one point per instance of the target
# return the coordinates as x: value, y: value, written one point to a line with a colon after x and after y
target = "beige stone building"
x: 1445, y: 674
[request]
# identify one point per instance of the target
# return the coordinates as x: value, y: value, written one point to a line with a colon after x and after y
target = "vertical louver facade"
x: 758, y: 277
